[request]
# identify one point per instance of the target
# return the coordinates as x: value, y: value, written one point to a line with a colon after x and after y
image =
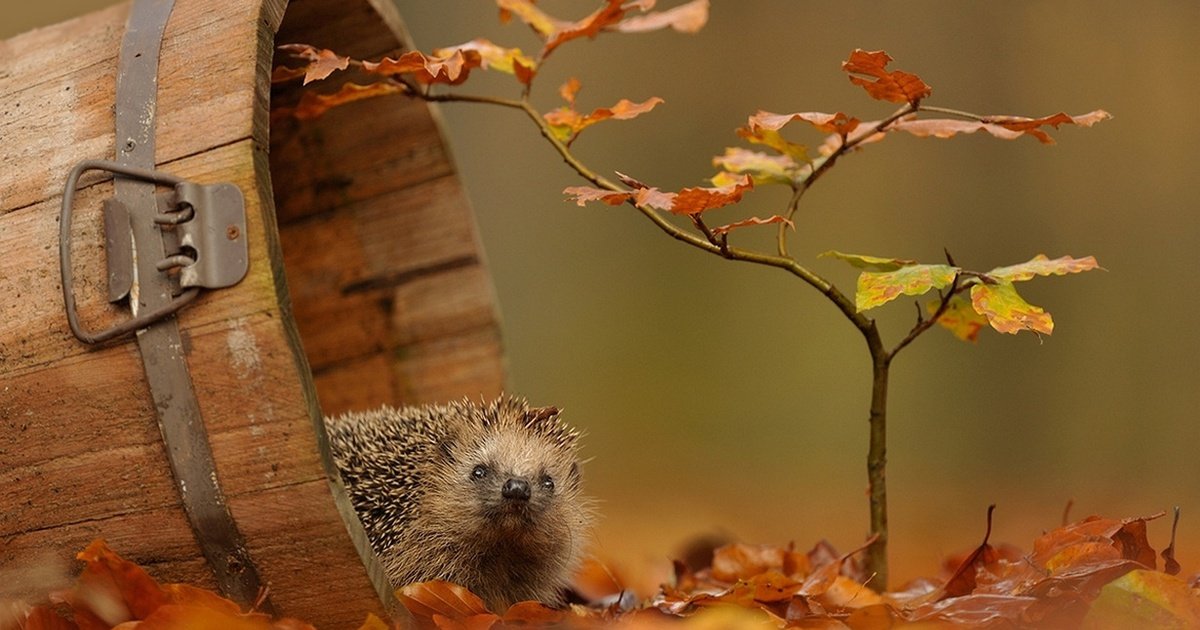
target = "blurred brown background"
x: 720, y: 397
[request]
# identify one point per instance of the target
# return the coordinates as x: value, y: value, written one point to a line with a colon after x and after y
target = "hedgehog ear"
x: 575, y: 475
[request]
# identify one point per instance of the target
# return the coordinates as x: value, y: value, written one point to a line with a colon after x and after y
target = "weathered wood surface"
x: 385, y: 296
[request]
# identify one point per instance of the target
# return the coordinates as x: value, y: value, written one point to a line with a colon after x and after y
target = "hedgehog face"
x: 515, y: 481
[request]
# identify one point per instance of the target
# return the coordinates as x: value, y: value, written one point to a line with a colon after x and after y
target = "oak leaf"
x: 869, y: 263
x: 688, y: 17
x: 437, y: 597
x: 1042, y: 265
x: 895, y: 86
x: 321, y: 63
x: 451, y: 69
x: 566, y: 122
x: 313, y: 104
x: 688, y: 201
x: 758, y: 133
x: 838, y: 122
x: 762, y: 167
x: 879, y: 288
x: 773, y: 219
x: 700, y: 199
x: 1003, y: 127
x: 1144, y: 599
x: 960, y: 318
x: 1007, y: 311
x: 492, y: 57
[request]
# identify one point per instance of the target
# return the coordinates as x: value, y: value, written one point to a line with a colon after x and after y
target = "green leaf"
x: 1041, y: 265
x: 1007, y: 311
x: 959, y: 318
x: 879, y: 288
x: 870, y: 263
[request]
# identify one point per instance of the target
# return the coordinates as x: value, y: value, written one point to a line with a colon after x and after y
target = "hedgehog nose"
x: 516, y: 489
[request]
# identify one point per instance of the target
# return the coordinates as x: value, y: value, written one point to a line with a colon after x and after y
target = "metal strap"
x: 163, y: 352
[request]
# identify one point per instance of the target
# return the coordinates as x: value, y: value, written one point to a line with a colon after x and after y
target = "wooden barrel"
x: 366, y: 285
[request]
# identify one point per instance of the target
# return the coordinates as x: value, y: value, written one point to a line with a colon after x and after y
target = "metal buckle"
x: 204, y: 228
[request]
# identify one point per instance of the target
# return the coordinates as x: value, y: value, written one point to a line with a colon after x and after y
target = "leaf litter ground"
x: 1096, y: 573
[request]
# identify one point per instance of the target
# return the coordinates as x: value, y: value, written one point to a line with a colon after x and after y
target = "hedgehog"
x: 487, y: 496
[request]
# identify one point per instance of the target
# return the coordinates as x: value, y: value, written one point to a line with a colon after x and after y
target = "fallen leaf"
x: 894, y: 86
x: 437, y: 597
x: 962, y: 582
x: 1144, y: 599
x: 114, y: 588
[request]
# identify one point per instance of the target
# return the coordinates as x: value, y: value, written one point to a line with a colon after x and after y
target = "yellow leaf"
x: 1007, y: 311
x: 879, y: 288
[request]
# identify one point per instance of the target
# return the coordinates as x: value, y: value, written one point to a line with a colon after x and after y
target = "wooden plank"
x: 354, y: 152
x: 304, y: 559
x: 107, y: 458
x: 439, y: 305
x: 344, y: 270
x: 357, y: 385
x: 160, y: 540
x: 467, y: 365
x: 58, y: 83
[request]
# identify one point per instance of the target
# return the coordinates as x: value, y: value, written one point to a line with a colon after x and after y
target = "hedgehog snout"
x: 516, y: 490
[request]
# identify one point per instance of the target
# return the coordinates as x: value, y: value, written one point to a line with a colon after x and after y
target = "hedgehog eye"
x: 479, y: 472
x: 547, y: 483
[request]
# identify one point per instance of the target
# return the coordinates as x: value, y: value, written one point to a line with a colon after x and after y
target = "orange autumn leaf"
x: 557, y: 32
x: 312, y: 104
x: 611, y: 16
x: 688, y: 17
x: 566, y: 122
x: 762, y: 167
x: 492, y: 57
x: 437, y: 597
x: 700, y: 199
x: 773, y: 219
x: 1007, y: 311
x: 321, y: 63
x: 960, y: 318
x: 1003, y: 127
x: 114, y: 588
x: 1042, y: 265
x: 894, y: 86
x: 837, y: 122
x: 451, y: 69
x: 876, y: 288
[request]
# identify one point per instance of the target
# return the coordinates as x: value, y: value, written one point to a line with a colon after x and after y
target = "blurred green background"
x: 720, y: 397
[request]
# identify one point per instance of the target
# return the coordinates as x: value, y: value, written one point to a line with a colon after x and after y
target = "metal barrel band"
x: 203, y: 235
x: 141, y: 320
